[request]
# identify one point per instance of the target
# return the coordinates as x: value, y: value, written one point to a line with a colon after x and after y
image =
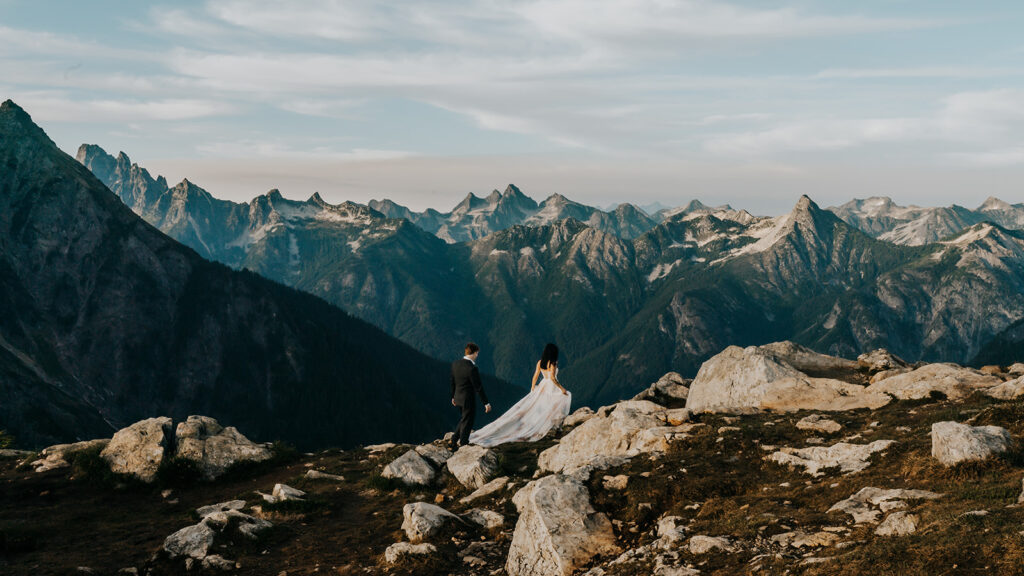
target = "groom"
x: 465, y: 386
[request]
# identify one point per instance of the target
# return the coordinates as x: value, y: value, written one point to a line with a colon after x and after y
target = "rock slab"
x: 139, y: 449
x: 953, y: 442
x: 411, y: 468
x: 423, y: 520
x: 473, y: 466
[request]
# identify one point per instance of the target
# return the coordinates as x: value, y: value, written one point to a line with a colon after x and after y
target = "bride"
x: 531, y: 418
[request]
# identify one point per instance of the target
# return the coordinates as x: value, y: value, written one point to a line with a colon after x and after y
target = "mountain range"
x: 628, y: 295
x: 105, y: 320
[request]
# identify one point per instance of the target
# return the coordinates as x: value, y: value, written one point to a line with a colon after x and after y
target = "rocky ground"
x: 919, y: 475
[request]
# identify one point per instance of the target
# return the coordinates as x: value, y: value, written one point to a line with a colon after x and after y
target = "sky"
x: 748, y: 103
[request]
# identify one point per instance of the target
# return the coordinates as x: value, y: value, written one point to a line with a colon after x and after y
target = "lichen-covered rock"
x: 558, y: 530
x: 60, y: 455
x: 953, y: 442
x: 434, y: 454
x: 473, y: 466
x: 848, y: 458
x: 898, y: 524
x: 400, y: 551
x: 765, y: 377
x: 701, y: 544
x: 215, y: 448
x: 868, y: 504
x: 615, y: 432
x: 423, y: 520
x: 955, y: 382
x: 819, y: 423
x: 139, y: 449
x: 485, y: 518
x: 800, y: 539
x: 492, y: 487
x: 411, y: 469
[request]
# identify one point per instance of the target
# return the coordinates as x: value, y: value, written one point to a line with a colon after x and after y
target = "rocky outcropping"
x: 473, y: 466
x: 669, y: 387
x: 955, y: 382
x: 60, y: 456
x: 194, y: 543
x: 868, y: 504
x: 769, y: 377
x: 139, y: 449
x: 953, y: 442
x: 214, y: 448
x: 558, y: 530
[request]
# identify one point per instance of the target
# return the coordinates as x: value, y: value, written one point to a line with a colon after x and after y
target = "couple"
x: 528, y: 420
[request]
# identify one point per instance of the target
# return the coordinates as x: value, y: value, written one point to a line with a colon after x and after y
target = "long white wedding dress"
x: 529, y: 419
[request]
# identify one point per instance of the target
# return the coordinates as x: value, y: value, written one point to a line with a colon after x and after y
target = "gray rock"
x: 819, y: 423
x: 60, y: 456
x: 205, y: 511
x: 867, y: 505
x: 245, y: 524
x: 578, y: 417
x: 434, y: 454
x: 215, y: 448
x: 473, y: 466
x: 955, y: 382
x: 848, y: 458
x: 399, y: 551
x: 558, y: 531
x: 283, y: 493
x: 671, y: 386
x: 953, y: 442
x: 411, y: 469
x: 139, y: 449
x: 701, y: 544
x: 192, y: 541
x: 898, y: 524
x: 485, y: 518
x: 615, y: 482
x: 671, y: 531
x: 318, y: 475
x: 423, y: 520
x: 217, y: 562
x: 1008, y: 390
x: 492, y: 487
x: 879, y: 360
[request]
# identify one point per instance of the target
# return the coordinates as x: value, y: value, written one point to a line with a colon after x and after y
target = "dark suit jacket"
x: 466, y: 383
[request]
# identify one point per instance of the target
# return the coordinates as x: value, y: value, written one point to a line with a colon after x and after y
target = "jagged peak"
x: 494, y: 196
x: 316, y: 199
x: 513, y: 190
x: 695, y: 204
x: 274, y: 194
x: 993, y: 203
x: 16, y: 126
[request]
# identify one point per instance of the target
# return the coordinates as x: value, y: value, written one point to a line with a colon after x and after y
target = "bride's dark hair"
x: 549, y: 356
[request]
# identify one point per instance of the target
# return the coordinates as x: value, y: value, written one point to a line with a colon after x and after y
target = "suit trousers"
x: 466, y: 422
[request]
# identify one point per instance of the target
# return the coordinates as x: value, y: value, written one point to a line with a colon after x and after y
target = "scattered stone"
x: 318, y: 475
x: 245, y: 524
x: 578, y: 417
x: 283, y: 493
x: 492, y: 487
x: 819, y: 423
x: 1016, y: 369
x: 205, y: 511
x: 473, y: 466
x: 191, y: 541
x: 215, y: 448
x: 955, y: 382
x: 728, y: 429
x: 898, y: 524
x: 800, y: 539
x: 615, y: 482
x: 558, y: 531
x: 671, y: 531
x: 485, y: 518
x: 703, y: 544
x: 378, y: 448
x: 217, y: 562
x: 399, y: 551
x: 849, y: 458
x: 139, y: 449
x: 424, y: 520
x: 60, y: 456
x: 677, y: 416
x: 881, y: 359
x: 867, y: 505
x: 769, y: 377
x: 671, y: 386
x: 953, y: 442
x: 411, y: 469
x: 434, y: 454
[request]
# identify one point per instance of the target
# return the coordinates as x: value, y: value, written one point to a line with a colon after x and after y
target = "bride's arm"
x: 536, y: 374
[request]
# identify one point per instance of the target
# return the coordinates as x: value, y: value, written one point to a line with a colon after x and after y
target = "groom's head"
x: 472, y: 351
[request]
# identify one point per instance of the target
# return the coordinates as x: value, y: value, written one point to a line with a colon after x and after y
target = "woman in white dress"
x: 538, y: 412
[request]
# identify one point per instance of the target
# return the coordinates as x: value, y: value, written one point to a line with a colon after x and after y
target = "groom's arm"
x: 478, y: 385
x: 453, y: 387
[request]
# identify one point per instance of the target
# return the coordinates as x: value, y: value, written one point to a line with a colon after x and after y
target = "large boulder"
x: 473, y: 466
x: 955, y: 382
x: 879, y: 360
x: 411, y: 469
x: 192, y: 541
x: 671, y: 386
x: 848, y: 458
x: 953, y: 442
x: 434, y: 454
x: 423, y: 520
x: 1008, y: 390
x: 215, y: 448
x: 558, y: 530
x: 139, y: 449
x: 767, y: 377
x: 615, y: 432
x: 60, y: 455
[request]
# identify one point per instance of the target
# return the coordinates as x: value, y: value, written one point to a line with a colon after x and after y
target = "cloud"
x: 56, y: 107
x: 252, y: 148
x: 918, y: 72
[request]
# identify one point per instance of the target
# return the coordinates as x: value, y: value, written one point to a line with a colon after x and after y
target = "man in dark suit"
x: 465, y: 386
